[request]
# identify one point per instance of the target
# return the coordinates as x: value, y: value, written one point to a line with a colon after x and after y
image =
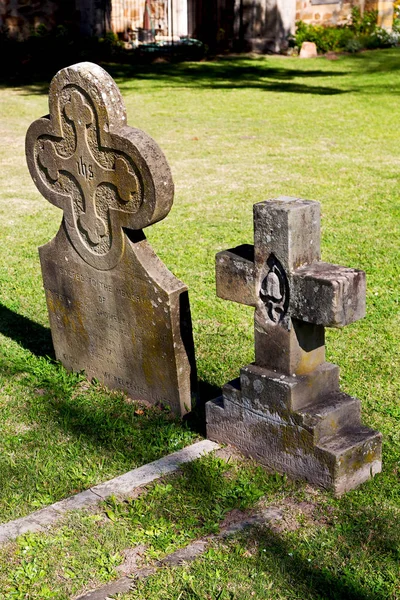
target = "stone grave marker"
x: 308, y: 50
x: 115, y: 310
x: 286, y: 410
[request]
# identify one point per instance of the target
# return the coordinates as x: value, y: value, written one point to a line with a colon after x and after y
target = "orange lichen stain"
x: 70, y: 319
x: 309, y: 361
x: 333, y: 425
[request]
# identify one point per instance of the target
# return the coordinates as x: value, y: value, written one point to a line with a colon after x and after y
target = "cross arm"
x: 235, y: 274
x: 326, y: 294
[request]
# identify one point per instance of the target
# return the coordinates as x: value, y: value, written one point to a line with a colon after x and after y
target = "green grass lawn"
x: 235, y: 132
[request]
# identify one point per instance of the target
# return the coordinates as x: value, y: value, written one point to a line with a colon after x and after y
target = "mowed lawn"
x: 235, y: 131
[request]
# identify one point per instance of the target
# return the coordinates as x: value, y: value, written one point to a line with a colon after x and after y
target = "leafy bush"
x: 354, y: 45
x: 362, y: 33
x: 363, y: 24
x: 325, y: 38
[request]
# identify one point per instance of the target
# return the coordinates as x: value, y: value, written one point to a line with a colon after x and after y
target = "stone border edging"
x: 184, y: 555
x: 122, y: 485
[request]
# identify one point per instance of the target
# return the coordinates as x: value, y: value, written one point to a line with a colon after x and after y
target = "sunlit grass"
x: 235, y: 131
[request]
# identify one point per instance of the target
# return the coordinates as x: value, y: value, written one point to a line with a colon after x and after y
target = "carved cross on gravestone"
x: 115, y: 310
x: 88, y: 173
x: 286, y: 409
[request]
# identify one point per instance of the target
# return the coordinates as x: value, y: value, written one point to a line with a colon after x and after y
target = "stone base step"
x: 321, y: 441
x: 355, y: 454
x: 331, y: 414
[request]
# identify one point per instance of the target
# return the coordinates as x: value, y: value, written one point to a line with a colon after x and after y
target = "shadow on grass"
x: 353, y: 555
x: 312, y: 580
x: 196, y: 419
x: 107, y: 419
x: 378, y: 61
x: 243, y: 72
x: 114, y: 423
x: 350, y: 551
x: 224, y: 73
x: 232, y: 73
x: 28, y: 334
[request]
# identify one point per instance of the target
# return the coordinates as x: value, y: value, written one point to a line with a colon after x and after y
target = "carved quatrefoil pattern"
x: 84, y: 172
x: 107, y: 177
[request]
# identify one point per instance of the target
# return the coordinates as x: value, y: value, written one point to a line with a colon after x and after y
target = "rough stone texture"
x: 286, y: 410
x: 115, y: 310
x: 308, y: 50
x: 119, y: 486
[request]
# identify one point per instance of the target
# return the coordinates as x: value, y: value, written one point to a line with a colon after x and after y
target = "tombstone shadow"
x: 312, y: 575
x: 320, y: 583
x: 225, y: 73
x: 196, y: 418
x: 228, y: 73
x: 95, y: 424
x: 36, y: 338
x: 27, y: 333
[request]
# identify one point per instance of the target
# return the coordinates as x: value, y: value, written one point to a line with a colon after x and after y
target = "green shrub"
x: 354, y: 45
x: 363, y: 24
x: 362, y: 33
x: 325, y: 38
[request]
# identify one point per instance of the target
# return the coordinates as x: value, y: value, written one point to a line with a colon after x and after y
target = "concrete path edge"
x: 119, y: 486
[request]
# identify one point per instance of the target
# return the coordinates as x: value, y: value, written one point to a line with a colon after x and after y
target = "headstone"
x: 115, y: 310
x: 308, y: 50
x: 286, y: 410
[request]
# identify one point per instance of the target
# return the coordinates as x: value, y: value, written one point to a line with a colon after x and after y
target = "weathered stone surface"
x: 308, y: 50
x: 115, y: 310
x: 286, y: 410
x: 328, y: 295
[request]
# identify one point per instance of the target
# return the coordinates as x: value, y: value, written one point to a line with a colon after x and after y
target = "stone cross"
x: 286, y: 410
x: 294, y: 293
x: 115, y: 310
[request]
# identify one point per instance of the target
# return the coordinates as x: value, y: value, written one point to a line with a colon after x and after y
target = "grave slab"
x: 116, y: 311
x: 287, y: 410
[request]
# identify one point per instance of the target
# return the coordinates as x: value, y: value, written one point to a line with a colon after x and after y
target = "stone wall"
x: 326, y: 12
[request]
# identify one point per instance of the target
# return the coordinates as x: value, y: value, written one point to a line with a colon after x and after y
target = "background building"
x: 236, y: 25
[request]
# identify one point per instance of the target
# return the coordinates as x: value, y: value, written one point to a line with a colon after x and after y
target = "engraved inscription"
x: 101, y: 286
x: 86, y: 170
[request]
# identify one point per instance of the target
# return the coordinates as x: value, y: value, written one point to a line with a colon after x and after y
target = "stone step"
x: 330, y: 414
x: 355, y: 454
x: 279, y: 393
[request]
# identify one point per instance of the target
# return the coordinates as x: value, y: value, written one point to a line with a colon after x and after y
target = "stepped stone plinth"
x: 286, y: 410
